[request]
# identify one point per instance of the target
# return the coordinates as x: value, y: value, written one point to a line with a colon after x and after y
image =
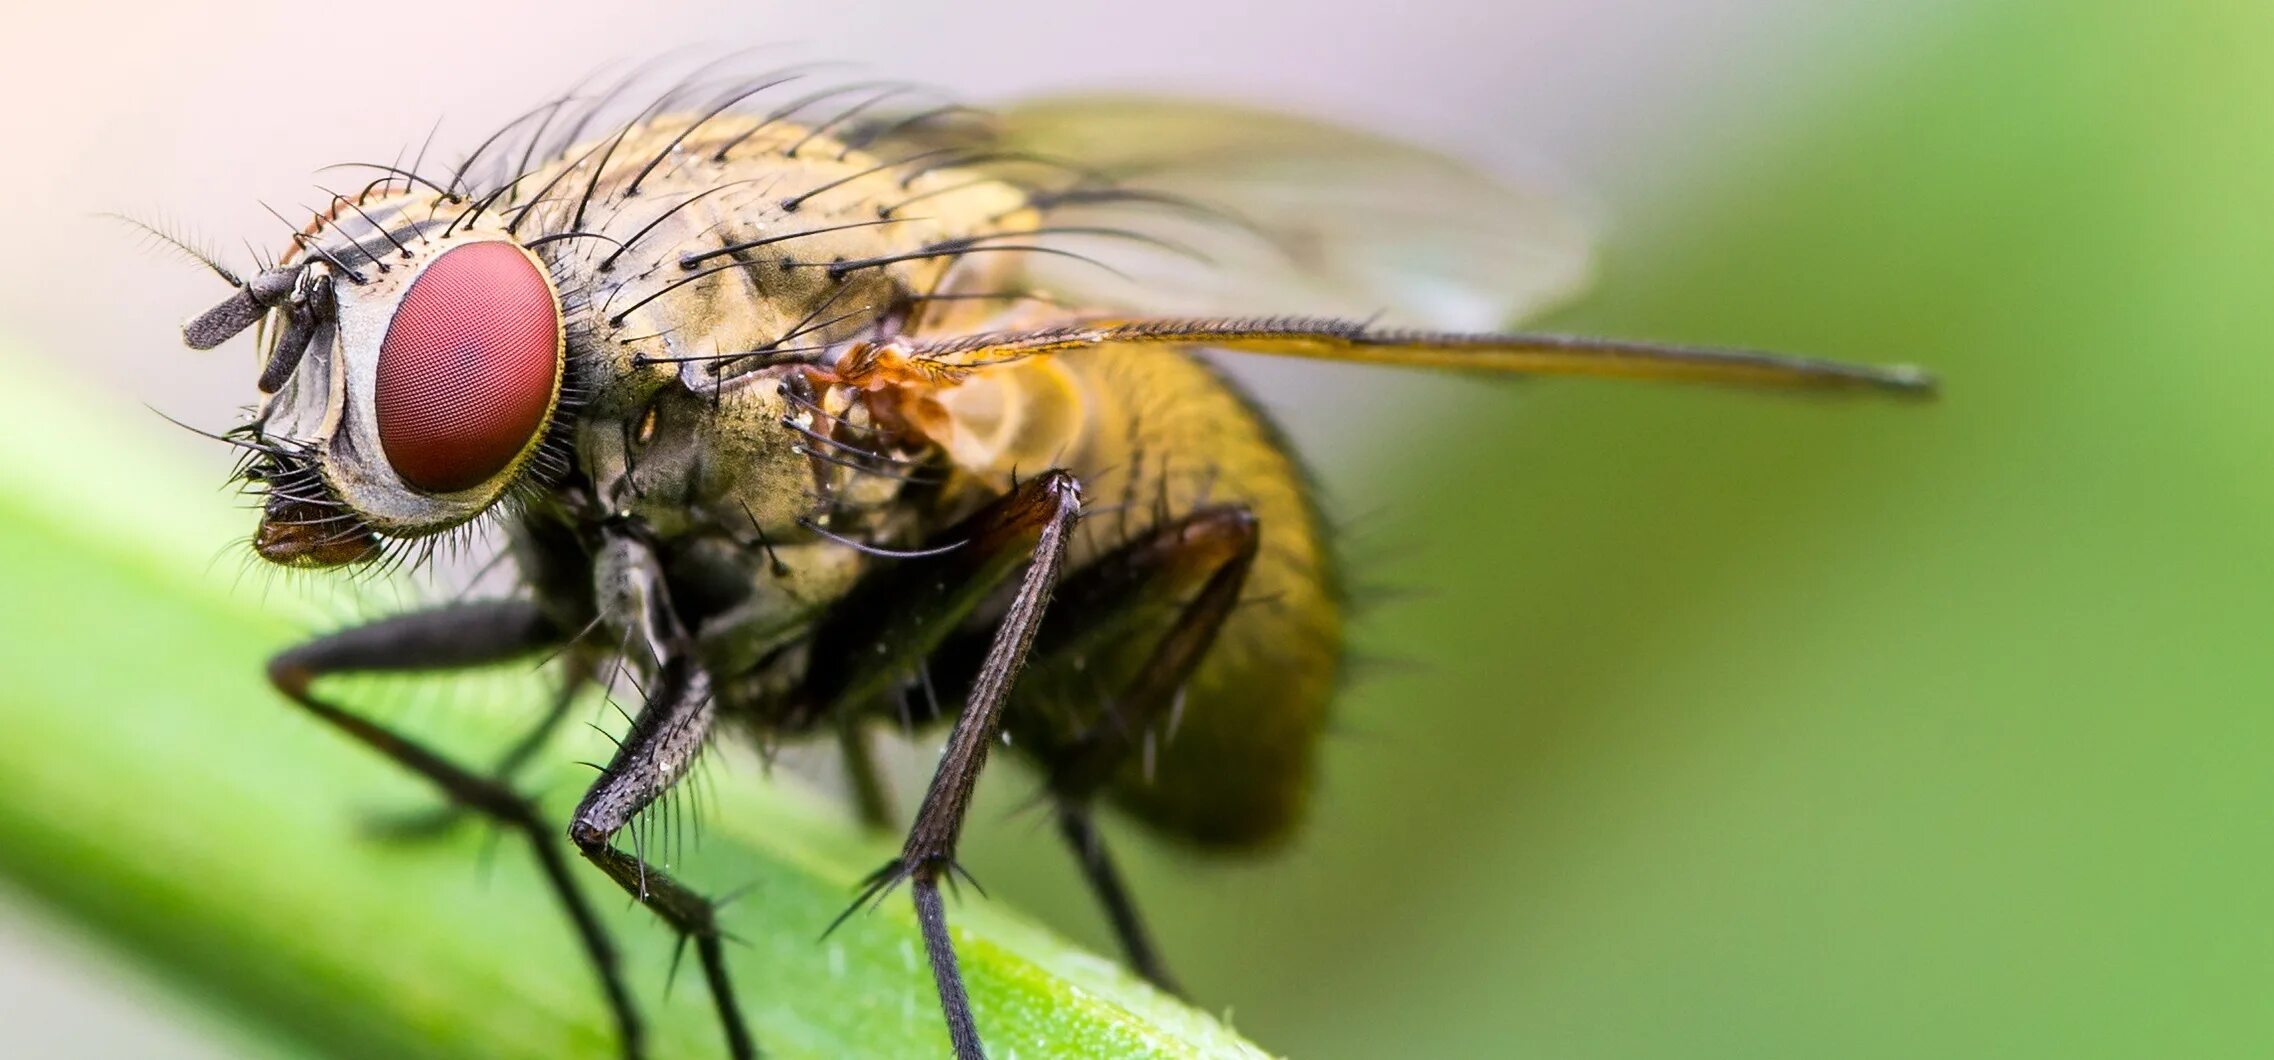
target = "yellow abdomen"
x: 1154, y: 433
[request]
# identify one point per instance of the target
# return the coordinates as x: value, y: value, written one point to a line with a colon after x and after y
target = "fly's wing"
x: 1311, y: 241
x: 1503, y: 353
x: 1206, y: 209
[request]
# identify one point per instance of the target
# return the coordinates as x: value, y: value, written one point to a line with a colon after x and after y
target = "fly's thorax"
x: 689, y: 461
x: 701, y: 264
x: 748, y: 604
x: 722, y: 483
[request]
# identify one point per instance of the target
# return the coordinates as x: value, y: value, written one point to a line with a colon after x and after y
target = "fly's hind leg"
x: 862, y: 653
x: 1213, y: 547
x: 1077, y: 825
x: 1196, y: 566
x: 451, y: 637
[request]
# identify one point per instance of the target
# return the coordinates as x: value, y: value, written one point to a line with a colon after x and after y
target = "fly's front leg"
x: 1030, y: 527
x: 666, y: 738
x: 451, y: 637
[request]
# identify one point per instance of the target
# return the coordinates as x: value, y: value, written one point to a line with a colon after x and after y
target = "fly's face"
x: 406, y: 386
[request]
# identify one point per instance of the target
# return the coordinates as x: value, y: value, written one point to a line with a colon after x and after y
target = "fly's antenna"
x: 179, y: 245
x: 241, y: 310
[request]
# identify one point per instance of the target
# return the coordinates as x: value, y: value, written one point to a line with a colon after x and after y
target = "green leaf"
x: 160, y: 793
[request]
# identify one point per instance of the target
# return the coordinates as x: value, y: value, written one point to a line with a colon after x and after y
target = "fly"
x: 794, y: 409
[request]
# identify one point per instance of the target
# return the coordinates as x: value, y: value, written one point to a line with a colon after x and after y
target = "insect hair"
x: 609, y: 262
x: 862, y: 136
x: 791, y: 204
x: 339, y: 199
x: 411, y: 178
x: 949, y: 249
x: 732, y: 101
x: 164, y: 235
x: 792, y: 107
x: 304, y: 243
x: 547, y: 170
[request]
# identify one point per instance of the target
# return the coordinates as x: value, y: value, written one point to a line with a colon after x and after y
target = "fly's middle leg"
x: 929, y: 853
x: 872, y: 801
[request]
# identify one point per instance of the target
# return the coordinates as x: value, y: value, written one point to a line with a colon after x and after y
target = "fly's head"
x: 411, y: 372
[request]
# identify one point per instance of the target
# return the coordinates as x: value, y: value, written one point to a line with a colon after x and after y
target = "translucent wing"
x: 1284, y: 214
x: 1319, y: 242
x: 1509, y: 353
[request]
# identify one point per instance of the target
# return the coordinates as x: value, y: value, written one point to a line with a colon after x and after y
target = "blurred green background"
x: 1723, y: 725
x: 1743, y: 727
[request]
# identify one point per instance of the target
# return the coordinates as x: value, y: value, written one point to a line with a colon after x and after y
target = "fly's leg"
x: 664, y: 741
x: 880, y: 638
x: 666, y: 737
x: 858, y: 748
x: 1029, y: 527
x: 929, y: 852
x: 1079, y: 829
x: 428, y: 824
x: 1212, y: 549
x: 447, y: 638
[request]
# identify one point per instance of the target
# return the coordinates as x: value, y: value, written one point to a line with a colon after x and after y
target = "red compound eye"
x: 467, y: 371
